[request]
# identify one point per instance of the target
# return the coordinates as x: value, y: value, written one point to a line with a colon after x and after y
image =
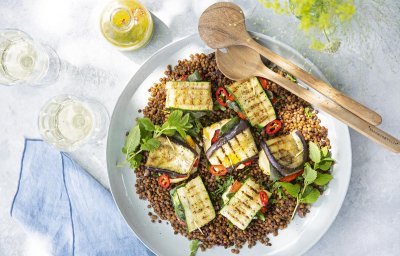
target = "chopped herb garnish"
x: 194, y: 246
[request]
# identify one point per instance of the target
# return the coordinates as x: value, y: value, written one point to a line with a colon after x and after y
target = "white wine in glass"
x: 68, y: 122
x: 25, y: 62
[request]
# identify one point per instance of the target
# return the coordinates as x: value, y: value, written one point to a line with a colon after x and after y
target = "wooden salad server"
x: 241, y: 62
x: 223, y: 24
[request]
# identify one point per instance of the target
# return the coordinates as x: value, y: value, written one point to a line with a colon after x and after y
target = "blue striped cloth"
x: 61, y: 201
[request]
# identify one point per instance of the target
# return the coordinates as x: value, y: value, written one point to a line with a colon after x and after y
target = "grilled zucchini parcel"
x: 192, y: 204
x: 231, y: 149
x: 172, y: 156
x: 244, y: 205
x: 190, y: 96
x: 253, y: 101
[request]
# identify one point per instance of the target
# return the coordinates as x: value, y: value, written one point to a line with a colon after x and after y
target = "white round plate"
x: 301, y: 234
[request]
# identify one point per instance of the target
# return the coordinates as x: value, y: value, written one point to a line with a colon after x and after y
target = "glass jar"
x: 126, y: 24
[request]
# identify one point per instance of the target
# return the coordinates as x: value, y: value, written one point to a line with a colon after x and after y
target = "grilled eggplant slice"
x: 244, y: 205
x: 173, y: 157
x: 196, y: 204
x: 287, y: 153
x: 190, y: 96
x: 253, y: 101
x: 231, y: 149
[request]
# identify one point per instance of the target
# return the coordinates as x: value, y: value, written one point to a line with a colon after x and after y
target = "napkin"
x: 59, y: 200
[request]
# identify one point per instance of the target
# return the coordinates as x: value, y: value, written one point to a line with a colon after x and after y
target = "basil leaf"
x: 195, y: 77
x: 150, y: 144
x: 146, y: 123
x: 194, y: 246
x: 309, y: 174
x: 292, y: 189
x: 323, y: 179
x: 315, y: 153
x: 133, y: 140
x: 311, y: 197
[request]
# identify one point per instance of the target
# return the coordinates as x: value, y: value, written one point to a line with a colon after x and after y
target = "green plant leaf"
x: 135, y: 161
x: 146, y: 123
x: 315, y: 152
x: 292, y: 189
x: 325, y: 151
x: 195, y: 77
x: 308, y: 112
x: 133, y: 140
x: 324, y: 165
x: 150, y: 144
x: 309, y: 174
x: 323, y: 179
x: 194, y: 246
x: 311, y: 197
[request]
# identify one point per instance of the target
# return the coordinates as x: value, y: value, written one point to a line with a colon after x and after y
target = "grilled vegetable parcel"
x: 287, y: 153
x: 233, y: 147
x: 192, y: 204
x: 172, y: 157
x: 253, y: 101
x: 190, y: 96
x: 245, y: 204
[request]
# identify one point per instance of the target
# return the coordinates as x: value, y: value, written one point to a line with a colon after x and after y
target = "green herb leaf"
x: 195, y: 77
x: 292, y: 189
x: 229, y: 125
x: 308, y: 112
x: 260, y: 216
x: 315, y: 153
x: 135, y: 161
x: 324, y: 165
x: 309, y: 174
x: 325, y: 151
x: 292, y: 78
x: 323, y: 179
x: 311, y: 197
x: 150, y: 144
x: 146, y: 123
x: 194, y: 246
x: 133, y: 140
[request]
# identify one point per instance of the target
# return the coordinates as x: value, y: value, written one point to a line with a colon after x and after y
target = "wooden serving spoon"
x: 223, y: 24
x: 241, y: 62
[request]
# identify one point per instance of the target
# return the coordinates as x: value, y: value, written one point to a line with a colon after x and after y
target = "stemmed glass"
x: 24, y: 61
x: 68, y: 122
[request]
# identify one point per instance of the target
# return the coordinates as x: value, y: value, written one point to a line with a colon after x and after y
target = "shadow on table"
x: 161, y: 37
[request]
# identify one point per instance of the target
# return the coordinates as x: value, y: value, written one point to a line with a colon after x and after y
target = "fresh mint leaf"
x: 315, y: 152
x: 309, y: 174
x: 325, y: 151
x: 323, y: 179
x: 324, y: 165
x: 229, y: 125
x: 150, y: 144
x: 292, y: 189
x: 133, y: 140
x: 146, y: 123
x: 308, y: 112
x: 311, y: 197
x: 135, y: 161
x: 260, y: 216
x: 194, y: 246
x: 195, y: 77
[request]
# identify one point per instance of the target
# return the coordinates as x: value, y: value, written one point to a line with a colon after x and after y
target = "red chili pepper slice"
x: 248, y: 163
x: 218, y: 170
x: 263, y: 209
x: 264, y: 83
x: 263, y: 197
x: 216, y: 136
x: 292, y: 177
x: 235, y: 187
x: 164, y: 181
x: 241, y: 115
x: 223, y: 96
x: 196, y: 162
x: 273, y: 127
x: 274, y: 100
x: 184, y: 77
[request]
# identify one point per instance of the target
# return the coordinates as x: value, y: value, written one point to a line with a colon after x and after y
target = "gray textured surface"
x: 366, y: 67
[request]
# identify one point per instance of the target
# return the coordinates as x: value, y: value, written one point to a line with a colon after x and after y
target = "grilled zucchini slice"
x: 172, y: 156
x: 253, y: 101
x: 190, y: 96
x: 235, y: 147
x: 244, y: 205
x: 196, y: 203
